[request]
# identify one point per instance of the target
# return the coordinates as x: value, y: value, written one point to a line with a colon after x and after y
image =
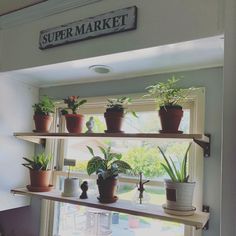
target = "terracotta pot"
x: 179, y: 196
x: 170, y: 117
x: 40, y: 178
x: 114, y: 121
x: 74, y: 123
x: 42, y: 123
x: 107, y: 189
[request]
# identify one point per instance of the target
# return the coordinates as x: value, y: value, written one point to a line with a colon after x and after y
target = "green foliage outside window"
x: 146, y: 160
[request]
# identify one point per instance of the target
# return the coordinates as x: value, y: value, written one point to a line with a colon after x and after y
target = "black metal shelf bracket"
x: 43, y: 142
x: 205, y: 145
x: 206, y: 209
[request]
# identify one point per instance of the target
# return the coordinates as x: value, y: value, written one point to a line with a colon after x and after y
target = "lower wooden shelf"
x: 198, y: 220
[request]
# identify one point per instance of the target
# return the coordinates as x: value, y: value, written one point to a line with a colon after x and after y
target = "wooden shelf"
x: 198, y: 220
x: 111, y: 135
x: 40, y: 138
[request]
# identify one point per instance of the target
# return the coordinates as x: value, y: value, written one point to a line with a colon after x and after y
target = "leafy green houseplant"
x: 42, y: 114
x: 168, y: 98
x: 115, y: 112
x: 179, y: 191
x: 74, y: 120
x: 38, y: 166
x: 107, y: 168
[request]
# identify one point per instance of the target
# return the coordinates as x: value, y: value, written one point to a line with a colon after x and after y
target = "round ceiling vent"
x: 100, y: 69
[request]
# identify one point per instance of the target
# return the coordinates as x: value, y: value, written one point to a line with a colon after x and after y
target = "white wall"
x: 159, y: 22
x: 16, y: 101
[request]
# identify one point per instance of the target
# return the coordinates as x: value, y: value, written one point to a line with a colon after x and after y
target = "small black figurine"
x: 84, y: 188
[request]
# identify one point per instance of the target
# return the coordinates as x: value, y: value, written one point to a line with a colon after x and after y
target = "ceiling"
x: 7, y: 6
x: 190, y: 55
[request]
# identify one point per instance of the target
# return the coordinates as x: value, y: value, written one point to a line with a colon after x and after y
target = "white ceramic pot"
x: 71, y: 187
x: 179, y: 196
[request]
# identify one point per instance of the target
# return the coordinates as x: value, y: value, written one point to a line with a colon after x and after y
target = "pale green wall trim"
x: 159, y: 23
x: 40, y: 11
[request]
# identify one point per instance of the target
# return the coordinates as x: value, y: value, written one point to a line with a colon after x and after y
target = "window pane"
x: 142, y: 156
x: 82, y: 221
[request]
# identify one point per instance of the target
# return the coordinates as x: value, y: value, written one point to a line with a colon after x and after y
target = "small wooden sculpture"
x: 84, y: 188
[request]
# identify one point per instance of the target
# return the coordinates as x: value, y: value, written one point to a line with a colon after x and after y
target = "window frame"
x: 196, y: 104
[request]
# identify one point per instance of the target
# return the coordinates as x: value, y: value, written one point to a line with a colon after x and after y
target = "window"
x: 142, y: 156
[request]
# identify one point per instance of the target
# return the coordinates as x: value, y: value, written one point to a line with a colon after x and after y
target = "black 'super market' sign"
x: 108, y: 23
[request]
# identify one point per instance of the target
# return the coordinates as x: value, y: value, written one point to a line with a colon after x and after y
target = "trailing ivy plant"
x: 177, y: 175
x: 108, y: 166
x: 38, y: 162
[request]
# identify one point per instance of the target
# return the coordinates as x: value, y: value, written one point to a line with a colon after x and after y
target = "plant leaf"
x: 90, y: 150
x: 166, y: 160
x: 105, y: 153
x: 121, y: 166
x: 94, y: 165
x: 169, y: 172
x: 81, y: 102
x: 177, y: 173
x: 184, y: 164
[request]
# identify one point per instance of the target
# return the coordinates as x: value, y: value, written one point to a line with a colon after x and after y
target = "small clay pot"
x: 170, y: 117
x: 114, y: 120
x: 74, y: 123
x: 107, y: 190
x: 40, y: 178
x: 42, y: 123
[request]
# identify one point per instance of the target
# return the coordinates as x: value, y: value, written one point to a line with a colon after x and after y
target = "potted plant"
x: 39, y: 172
x: 107, y: 168
x: 42, y: 114
x: 168, y: 98
x: 179, y: 191
x: 71, y: 185
x: 74, y: 121
x: 114, y: 115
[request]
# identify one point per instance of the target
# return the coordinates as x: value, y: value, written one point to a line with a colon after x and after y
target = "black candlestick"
x: 141, y: 188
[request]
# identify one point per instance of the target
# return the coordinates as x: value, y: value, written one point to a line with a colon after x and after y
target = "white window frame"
x: 196, y: 104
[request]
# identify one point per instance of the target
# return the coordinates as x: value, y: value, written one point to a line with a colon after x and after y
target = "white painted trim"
x: 40, y: 11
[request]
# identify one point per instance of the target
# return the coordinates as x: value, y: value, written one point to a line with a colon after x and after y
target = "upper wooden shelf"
x: 198, y: 220
x: 200, y: 139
